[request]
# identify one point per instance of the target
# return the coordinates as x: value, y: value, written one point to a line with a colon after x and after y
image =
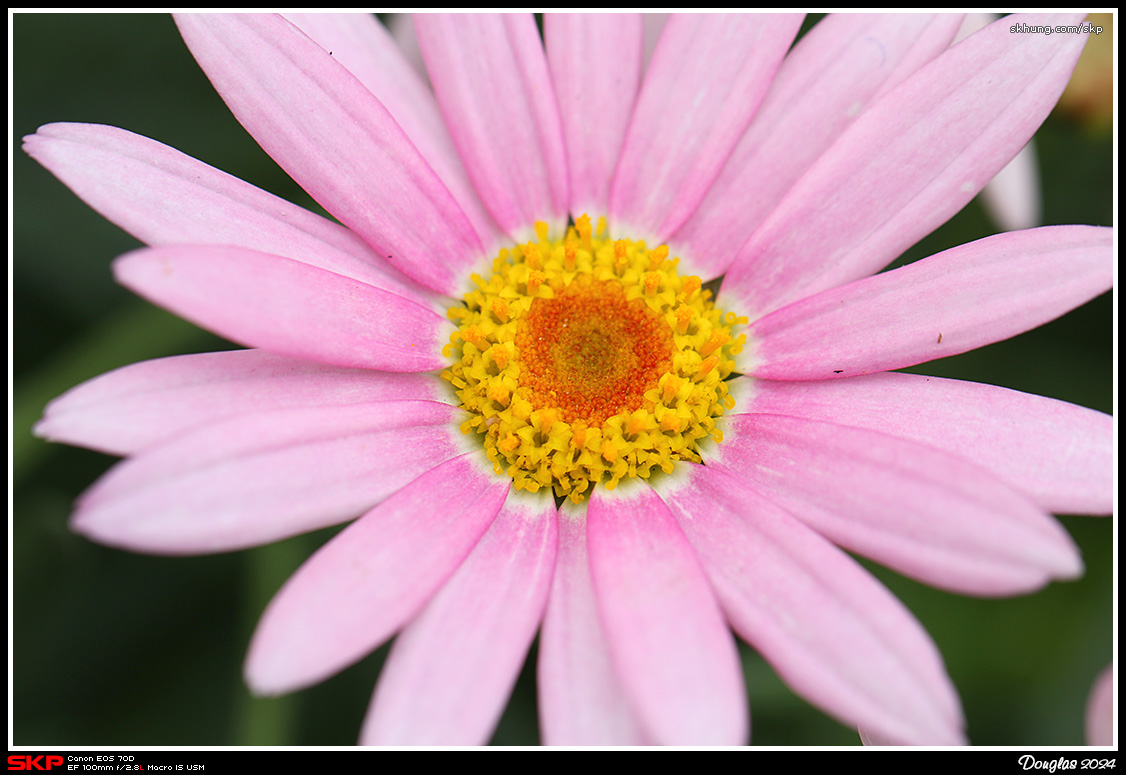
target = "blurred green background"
x: 111, y: 648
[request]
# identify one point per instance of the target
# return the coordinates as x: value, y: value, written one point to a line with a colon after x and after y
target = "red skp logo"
x: 41, y: 762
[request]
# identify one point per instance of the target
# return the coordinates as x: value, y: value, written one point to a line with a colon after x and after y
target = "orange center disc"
x: 591, y: 353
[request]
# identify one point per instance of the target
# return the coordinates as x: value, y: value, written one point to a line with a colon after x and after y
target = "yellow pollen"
x: 532, y: 255
x: 547, y: 419
x: 636, y: 425
x: 499, y: 394
x: 535, y: 280
x: 586, y: 360
x: 620, y: 252
x: 684, y: 315
x: 500, y: 355
x: 582, y: 227
x: 670, y: 387
x: 714, y: 342
x: 609, y: 452
x: 579, y: 432
x: 707, y: 366
x: 569, y: 250
x: 474, y: 336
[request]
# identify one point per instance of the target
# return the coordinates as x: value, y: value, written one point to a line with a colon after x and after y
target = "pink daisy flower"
x: 551, y: 422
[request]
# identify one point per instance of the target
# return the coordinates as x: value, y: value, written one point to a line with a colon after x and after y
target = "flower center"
x: 588, y: 359
x: 590, y: 352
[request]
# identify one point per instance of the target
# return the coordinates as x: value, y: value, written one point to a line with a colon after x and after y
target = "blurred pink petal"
x: 654, y: 24
x: 1013, y: 196
x: 1100, y: 709
x: 401, y: 27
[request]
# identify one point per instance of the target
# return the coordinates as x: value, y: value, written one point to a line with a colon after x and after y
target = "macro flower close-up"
x: 600, y: 344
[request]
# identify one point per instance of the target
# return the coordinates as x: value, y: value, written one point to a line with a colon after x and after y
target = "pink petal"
x: 972, y: 22
x: 923, y: 512
x: 958, y: 300
x: 401, y: 27
x: 829, y: 78
x: 581, y: 700
x: 654, y: 24
x: 870, y: 739
x: 488, y: 612
x: 490, y: 76
x: 1013, y: 196
x: 140, y: 405
x: 1059, y: 454
x: 324, y: 128
x: 595, y: 62
x: 833, y: 632
x: 287, y: 307
x: 364, y: 46
x: 705, y: 81
x: 373, y: 577
x: 909, y: 162
x: 1100, y: 710
x: 669, y: 644
x: 265, y: 476
x: 163, y: 197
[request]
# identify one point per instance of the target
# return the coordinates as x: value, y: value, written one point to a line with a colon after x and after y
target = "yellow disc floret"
x: 588, y: 360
